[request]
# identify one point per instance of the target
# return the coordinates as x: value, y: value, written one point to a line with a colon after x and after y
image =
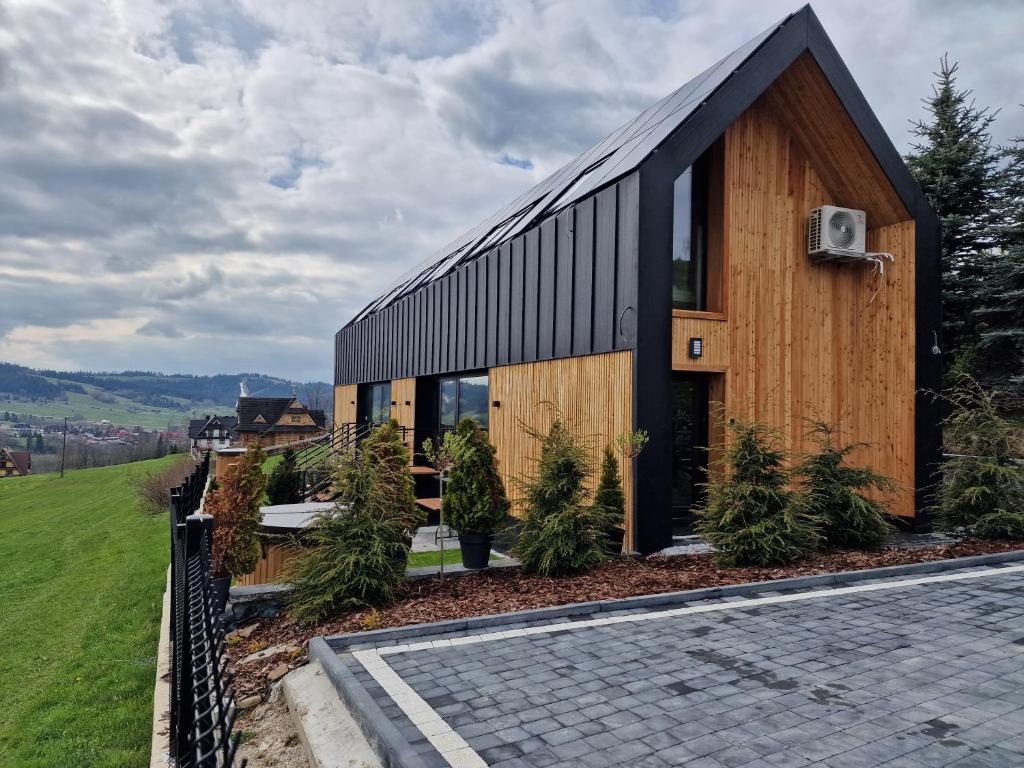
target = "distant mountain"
x: 139, y: 397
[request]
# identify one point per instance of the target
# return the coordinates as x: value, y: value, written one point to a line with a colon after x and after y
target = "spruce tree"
x: 609, y: 495
x: 561, y: 533
x: 749, y: 515
x: 958, y: 168
x: 1000, y: 312
x: 285, y: 483
x: 833, y: 492
x: 475, y: 500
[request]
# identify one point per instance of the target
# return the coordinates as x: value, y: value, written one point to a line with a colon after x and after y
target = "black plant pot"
x: 613, y: 543
x: 219, y: 594
x: 476, y: 549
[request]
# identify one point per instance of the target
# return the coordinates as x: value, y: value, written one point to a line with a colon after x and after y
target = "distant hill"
x: 144, y: 398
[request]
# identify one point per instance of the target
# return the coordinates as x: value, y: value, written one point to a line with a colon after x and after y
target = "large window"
x: 463, y: 397
x: 375, y: 407
x: 690, y: 237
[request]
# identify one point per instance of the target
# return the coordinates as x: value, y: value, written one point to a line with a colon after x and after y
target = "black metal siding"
x: 560, y: 289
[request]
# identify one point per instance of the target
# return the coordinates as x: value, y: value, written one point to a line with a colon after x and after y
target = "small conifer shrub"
x: 357, y: 551
x: 474, y: 501
x: 561, y: 533
x: 749, y: 515
x: 610, y: 497
x: 832, y: 492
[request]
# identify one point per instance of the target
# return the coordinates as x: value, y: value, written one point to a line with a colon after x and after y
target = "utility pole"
x: 64, y: 446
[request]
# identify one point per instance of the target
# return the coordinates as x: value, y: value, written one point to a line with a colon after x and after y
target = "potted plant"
x: 235, y: 507
x: 442, y: 453
x: 475, y: 503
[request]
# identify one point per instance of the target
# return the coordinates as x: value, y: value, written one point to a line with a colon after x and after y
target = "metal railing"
x: 315, y: 462
x: 202, y: 712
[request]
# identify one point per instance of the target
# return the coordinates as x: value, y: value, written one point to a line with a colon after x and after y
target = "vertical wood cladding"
x: 345, y: 404
x: 594, y: 394
x: 566, y: 287
x: 802, y: 340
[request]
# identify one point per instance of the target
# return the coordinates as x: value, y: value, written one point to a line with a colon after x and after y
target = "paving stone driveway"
x: 926, y: 675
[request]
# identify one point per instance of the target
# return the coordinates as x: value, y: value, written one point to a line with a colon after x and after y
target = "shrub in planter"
x: 357, y: 551
x: 561, y: 533
x: 474, y: 502
x: 235, y: 506
x: 749, y: 514
x: 832, y: 494
x: 285, y: 483
x: 611, y: 499
x: 984, y: 475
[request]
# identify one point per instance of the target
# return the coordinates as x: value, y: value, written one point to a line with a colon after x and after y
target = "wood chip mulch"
x: 505, y: 590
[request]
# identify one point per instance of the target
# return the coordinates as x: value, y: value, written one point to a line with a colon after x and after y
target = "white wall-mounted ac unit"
x: 837, y: 234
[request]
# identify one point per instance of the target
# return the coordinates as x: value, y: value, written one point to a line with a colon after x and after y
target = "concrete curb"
x: 368, y: 639
x: 158, y: 752
x: 390, y: 746
x: 323, y: 723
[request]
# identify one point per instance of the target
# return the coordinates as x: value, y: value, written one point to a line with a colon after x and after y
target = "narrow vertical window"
x: 690, y: 237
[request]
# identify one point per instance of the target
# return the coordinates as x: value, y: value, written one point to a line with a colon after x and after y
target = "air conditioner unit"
x: 837, y: 234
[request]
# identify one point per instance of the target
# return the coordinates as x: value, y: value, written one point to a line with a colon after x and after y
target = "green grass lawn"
x: 451, y: 557
x: 122, y: 411
x: 82, y: 573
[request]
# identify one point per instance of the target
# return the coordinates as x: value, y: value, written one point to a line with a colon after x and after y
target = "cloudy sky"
x: 218, y: 185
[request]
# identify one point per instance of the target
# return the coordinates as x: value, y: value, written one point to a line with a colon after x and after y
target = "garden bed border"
x: 368, y: 639
x: 395, y: 751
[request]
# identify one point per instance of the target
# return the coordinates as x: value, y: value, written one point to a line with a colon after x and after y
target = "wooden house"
x: 269, y: 421
x: 15, y: 463
x: 668, y: 268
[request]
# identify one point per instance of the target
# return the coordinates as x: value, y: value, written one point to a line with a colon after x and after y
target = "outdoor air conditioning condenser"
x: 837, y: 234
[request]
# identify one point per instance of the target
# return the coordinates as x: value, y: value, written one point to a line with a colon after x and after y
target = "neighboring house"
x: 669, y: 268
x: 276, y: 421
x: 211, y: 433
x: 15, y: 463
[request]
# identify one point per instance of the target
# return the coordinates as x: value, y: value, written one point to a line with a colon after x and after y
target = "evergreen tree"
x: 475, y: 500
x: 285, y: 483
x: 609, y: 495
x: 1000, y: 313
x: 358, y: 550
x: 561, y: 533
x: 833, y: 493
x: 958, y: 168
x: 749, y: 514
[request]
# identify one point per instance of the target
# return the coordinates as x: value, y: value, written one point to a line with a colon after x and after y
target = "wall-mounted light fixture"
x: 407, y: 402
x: 393, y: 403
x: 696, y: 347
x: 496, y: 403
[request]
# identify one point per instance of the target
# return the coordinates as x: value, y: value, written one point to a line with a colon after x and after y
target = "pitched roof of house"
x: 22, y: 460
x: 196, y: 427
x: 700, y: 110
x: 260, y: 414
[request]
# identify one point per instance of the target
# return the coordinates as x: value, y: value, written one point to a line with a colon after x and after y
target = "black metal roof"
x: 615, y: 156
x: 196, y: 427
x: 272, y: 409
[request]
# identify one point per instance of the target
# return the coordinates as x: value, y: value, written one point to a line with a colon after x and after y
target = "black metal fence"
x: 202, y: 709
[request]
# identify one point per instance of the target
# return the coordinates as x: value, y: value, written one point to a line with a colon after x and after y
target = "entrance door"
x: 689, y: 446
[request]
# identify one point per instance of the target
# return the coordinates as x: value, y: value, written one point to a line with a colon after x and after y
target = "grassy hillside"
x: 83, y: 574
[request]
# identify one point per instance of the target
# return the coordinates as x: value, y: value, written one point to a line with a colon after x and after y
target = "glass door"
x: 689, y: 447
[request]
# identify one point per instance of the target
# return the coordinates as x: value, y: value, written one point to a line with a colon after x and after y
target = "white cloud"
x: 202, y: 185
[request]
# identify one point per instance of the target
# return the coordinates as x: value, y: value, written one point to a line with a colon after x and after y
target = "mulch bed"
x: 506, y: 590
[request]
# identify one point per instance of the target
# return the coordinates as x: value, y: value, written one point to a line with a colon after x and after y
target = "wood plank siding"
x: 803, y: 340
x: 565, y: 287
x: 594, y: 395
x: 403, y: 409
x: 345, y: 404
x: 269, y: 569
